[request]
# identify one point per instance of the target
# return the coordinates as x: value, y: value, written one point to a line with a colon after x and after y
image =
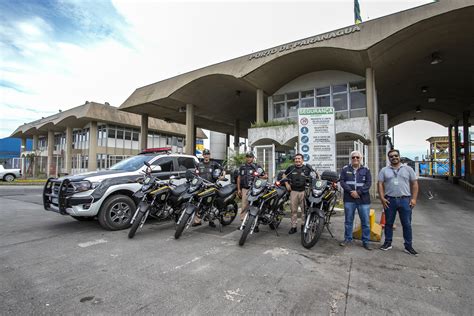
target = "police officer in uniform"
x: 244, y: 180
x: 297, y: 175
x: 205, y: 168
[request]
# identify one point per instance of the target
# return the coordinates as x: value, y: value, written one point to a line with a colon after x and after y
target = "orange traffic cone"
x: 382, y: 219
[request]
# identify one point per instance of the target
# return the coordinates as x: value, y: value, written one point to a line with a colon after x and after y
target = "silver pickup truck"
x: 108, y: 194
x: 9, y: 175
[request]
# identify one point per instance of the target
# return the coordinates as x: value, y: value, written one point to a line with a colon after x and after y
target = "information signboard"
x: 317, y: 137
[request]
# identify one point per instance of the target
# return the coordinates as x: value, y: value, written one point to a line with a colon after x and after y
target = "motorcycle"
x: 265, y: 206
x: 158, y: 199
x: 320, y: 199
x: 209, y: 201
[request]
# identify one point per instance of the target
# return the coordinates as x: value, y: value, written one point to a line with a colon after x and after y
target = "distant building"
x: 93, y: 136
x: 9, y: 149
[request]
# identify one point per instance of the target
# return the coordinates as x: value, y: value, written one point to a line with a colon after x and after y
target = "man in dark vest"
x: 244, y: 180
x: 205, y: 168
x: 356, y: 180
x: 297, y: 175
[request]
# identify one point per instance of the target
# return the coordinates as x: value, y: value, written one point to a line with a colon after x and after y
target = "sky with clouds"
x: 56, y: 54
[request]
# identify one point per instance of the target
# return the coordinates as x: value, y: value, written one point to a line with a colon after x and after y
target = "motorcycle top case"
x: 330, y: 176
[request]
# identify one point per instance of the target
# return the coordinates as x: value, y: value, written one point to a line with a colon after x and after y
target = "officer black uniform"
x: 297, y: 175
x: 207, y: 168
x: 244, y: 180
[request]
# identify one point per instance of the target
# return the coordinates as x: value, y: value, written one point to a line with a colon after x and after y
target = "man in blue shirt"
x: 356, y: 180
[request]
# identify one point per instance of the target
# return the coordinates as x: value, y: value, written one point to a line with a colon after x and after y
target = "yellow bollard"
x: 375, y: 229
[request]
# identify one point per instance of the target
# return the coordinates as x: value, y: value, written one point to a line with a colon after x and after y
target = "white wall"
x: 217, y: 145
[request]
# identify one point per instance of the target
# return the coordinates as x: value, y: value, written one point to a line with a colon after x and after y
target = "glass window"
x: 307, y: 103
x: 135, y: 136
x: 131, y: 164
x: 292, y: 108
x: 359, y: 85
x: 358, y: 100
x: 186, y: 163
x: 307, y: 94
x: 359, y: 113
x: 128, y: 135
x: 322, y: 91
x: 111, y: 132
x: 342, y: 115
x: 339, y: 102
x: 166, y: 163
x: 292, y: 96
x: 278, y: 110
x: 323, y: 101
x: 119, y: 133
x: 339, y: 88
x: 278, y: 98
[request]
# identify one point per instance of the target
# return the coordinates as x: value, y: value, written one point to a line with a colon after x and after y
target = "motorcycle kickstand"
x: 330, y: 233
x: 276, y: 232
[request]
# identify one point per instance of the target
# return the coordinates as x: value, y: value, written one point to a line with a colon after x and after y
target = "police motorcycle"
x: 207, y: 200
x: 265, y: 205
x: 320, y: 199
x: 158, y: 199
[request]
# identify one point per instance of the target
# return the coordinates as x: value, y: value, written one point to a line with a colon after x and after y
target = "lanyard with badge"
x: 395, y: 180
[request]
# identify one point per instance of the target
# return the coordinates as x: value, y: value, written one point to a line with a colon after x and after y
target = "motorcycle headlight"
x: 317, y: 192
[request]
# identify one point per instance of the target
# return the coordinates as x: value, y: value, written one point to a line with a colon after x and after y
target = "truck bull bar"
x: 56, y: 195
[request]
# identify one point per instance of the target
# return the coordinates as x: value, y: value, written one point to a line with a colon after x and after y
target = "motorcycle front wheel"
x: 135, y: 225
x: 228, y: 216
x: 182, y: 225
x: 248, y: 227
x: 314, y: 231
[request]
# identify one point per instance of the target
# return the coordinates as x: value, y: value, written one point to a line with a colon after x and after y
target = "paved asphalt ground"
x: 53, y: 264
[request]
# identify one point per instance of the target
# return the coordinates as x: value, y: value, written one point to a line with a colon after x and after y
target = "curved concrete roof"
x: 81, y: 115
x: 398, y: 47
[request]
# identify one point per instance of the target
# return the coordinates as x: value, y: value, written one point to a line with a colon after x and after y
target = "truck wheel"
x: 116, y: 212
x: 9, y: 177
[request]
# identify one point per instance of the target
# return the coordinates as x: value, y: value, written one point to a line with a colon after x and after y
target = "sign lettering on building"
x: 317, y: 137
x: 305, y: 42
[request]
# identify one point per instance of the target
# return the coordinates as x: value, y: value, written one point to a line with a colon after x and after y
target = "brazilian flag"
x: 357, y: 17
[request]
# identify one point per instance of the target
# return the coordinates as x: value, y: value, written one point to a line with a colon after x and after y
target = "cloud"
x: 56, y: 54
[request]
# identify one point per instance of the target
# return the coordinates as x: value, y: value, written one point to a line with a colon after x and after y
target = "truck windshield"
x: 131, y: 164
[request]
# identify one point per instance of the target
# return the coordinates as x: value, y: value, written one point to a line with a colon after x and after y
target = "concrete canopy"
x: 80, y: 116
x: 397, y: 47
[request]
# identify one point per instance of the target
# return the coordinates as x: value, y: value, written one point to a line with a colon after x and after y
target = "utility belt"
x: 398, y: 197
x: 298, y: 189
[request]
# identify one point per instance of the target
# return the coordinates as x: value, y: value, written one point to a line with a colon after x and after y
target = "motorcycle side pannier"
x: 330, y: 176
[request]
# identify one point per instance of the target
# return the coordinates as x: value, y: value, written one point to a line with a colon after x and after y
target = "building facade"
x: 410, y: 65
x: 91, y: 137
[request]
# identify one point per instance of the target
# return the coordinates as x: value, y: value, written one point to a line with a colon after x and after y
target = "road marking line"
x: 92, y: 243
x: 183, y: 265
x: 276, y: 252
x: 230, y: 295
